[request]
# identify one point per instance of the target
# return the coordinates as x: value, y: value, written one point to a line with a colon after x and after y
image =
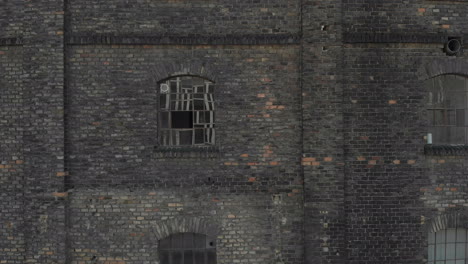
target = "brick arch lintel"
x: 452, y: 220
x: 450, y: 65
x: 167, y: 70
x: 169, y: 227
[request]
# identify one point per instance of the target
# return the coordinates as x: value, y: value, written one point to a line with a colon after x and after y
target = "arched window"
x: 186, y: 111
x: 448, y: 246
x: 447, y: 109
x: 187, y: 248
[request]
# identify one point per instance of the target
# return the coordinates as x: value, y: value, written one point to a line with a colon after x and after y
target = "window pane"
x: 440, y: 237
x: 165, y: 137
x: 430, y: 253
x: 450, y: 251
x: 430, y: 117
x: 211, y: 257
x: 440, y: 135
x: 199, y: 135
x: 457, y: 100
x: 460, y: 117
x: 188, y: 240
x: 174, y: 85
x: 185, y: 137
x: 199, y: 257
x: 186, y: 82
x: 164, y: 119
x: 200, y: 241
x: 451, y: 232
x: 210, y: 88
x: 188, y: 257
x: 450, y: 262
x: 177, y: 240
x: 439, y: 117
x: 163, y: 101
x: 461, y: 235
x: 164, y: 257
x: 460, y: 262
x: 451, y: 117
x: 461, y: 247
x: 454, y: 83
x: 177, y: 257
x: 438, y: 92
x: 456, y: 135
x: 199, y: 89
x: 440, y: 252
x: 209, y: 135
x: 199, y: 104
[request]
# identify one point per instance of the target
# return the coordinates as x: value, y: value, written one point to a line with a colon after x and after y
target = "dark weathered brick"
x: 320, y: 123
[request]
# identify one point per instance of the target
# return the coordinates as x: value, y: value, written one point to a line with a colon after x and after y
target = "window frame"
x: 208, y: 110
x: 433, y: 249
x: 167, y: 248
x: 445, y: 124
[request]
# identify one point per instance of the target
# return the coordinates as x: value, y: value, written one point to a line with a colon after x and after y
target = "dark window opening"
x: 182, y: 119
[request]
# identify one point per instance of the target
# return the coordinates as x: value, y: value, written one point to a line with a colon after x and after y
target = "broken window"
x: 187, y: 248
x: 186, y: 111
x: 448, y: 246
x: 447, y: 109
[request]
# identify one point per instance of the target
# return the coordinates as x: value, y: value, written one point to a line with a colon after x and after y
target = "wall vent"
x: 454, y: 46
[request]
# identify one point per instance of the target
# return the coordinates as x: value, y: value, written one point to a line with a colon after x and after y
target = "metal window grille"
x: 447, y: 109
x: 186, y: 111
x: 448, y: 246
x: 187, y: 248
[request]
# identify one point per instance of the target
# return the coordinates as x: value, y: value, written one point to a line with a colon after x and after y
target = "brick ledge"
x: 186, y: 151
x: 446, y: 150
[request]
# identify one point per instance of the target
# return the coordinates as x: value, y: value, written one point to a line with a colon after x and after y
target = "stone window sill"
x: 186, y: 151
x: 446, y: 150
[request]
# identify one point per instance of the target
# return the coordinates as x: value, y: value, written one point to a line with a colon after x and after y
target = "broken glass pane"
x: 182, y: 119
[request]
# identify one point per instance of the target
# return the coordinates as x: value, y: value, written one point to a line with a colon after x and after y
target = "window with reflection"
x: 447, y: 109
x: 187, y: 248
x: 186, y: 111
x: 448, y: 246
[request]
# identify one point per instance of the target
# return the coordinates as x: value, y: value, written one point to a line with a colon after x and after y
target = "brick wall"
x: 113, y: 118
x: 43, y: 126
x: 254, y: 228
x: 184, y: 17
x: 11, y: 156
x: 399, y: 16
x: 12, y: 18
x: 320, y: 126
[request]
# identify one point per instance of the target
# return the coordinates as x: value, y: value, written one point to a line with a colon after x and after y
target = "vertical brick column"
x: 44, y: 132
x: 322, y: 132
x: 11, y: 155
